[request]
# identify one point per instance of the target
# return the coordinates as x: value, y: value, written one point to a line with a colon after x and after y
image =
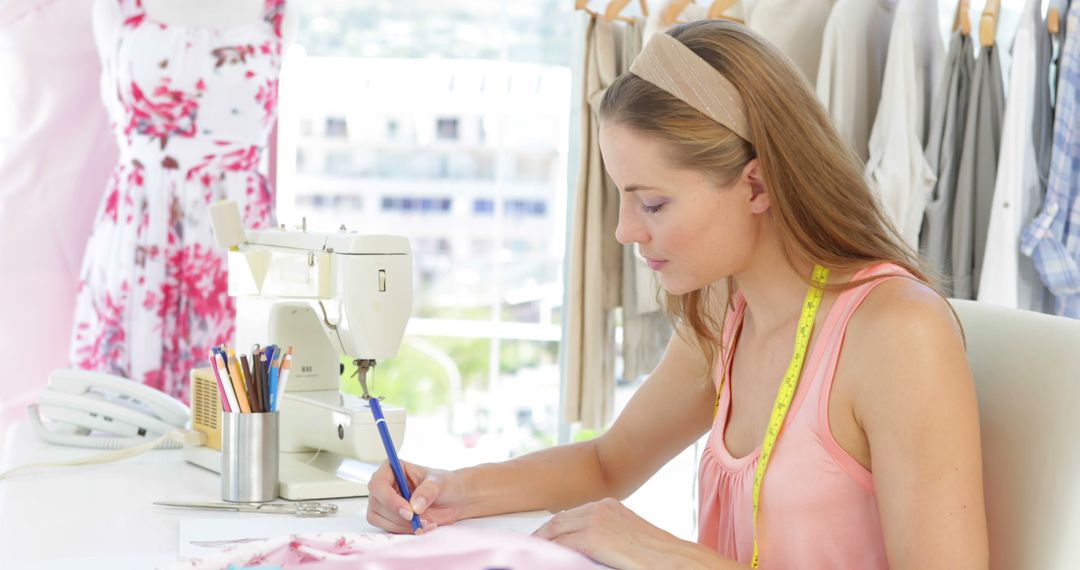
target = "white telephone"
x: 92, y: 409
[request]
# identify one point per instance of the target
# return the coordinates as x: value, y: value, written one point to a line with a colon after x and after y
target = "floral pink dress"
x: 191, y: 108
x: 454, y: 547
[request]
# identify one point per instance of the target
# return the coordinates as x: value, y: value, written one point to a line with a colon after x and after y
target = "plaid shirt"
x: 1053, y: 239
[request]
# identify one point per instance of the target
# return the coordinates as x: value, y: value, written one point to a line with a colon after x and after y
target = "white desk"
x: 103, y: 514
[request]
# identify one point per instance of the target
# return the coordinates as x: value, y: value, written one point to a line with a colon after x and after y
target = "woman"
x: 756, y: 216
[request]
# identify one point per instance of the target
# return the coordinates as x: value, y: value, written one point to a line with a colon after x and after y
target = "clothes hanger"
x: 613, y: 9
x: 673, y: 10
x: 583, y: 5
x: 988, y: 23
x: 718, y: 7
x: 616, y: 6
x: 962, y: 22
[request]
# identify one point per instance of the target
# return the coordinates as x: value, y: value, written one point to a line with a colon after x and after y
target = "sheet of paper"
x: 203, y: 537
x: 119, y: 562
x: 524, y: 523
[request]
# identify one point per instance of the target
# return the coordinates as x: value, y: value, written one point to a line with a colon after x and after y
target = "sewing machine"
x: 327, y: 295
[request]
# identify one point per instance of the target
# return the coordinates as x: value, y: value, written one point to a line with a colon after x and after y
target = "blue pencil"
x: 275, y: 371
x: 271, y: 353
x: 391, y: 456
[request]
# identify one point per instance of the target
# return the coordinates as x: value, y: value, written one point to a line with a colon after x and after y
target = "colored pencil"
x: 238, y: 383
x: 220, y: 384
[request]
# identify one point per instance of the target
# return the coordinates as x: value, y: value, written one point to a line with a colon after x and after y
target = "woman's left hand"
x: 611, y: 534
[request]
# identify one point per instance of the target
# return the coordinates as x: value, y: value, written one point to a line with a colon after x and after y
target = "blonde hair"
x: 821, y: 204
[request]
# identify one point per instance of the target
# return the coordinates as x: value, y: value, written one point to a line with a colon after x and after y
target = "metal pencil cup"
x: 249, y: 457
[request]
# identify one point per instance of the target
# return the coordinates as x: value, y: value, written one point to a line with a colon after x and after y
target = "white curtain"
x: 646, y: 329
x: 595, y: 275
x: 604, y: 275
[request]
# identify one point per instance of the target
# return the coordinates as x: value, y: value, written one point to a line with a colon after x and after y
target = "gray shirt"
x: 946, y: 140
x: 977, y: 174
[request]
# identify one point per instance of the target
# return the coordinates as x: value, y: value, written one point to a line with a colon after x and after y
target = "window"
x: 413, y: 106
x: 518, y: 246
x: 482, y: 246
x: 396, y: 163
x: 533, y: 167
x: 525, y: 208
x: 335, y: 127
x: 484, y: 206
x: 447, y: 129
x: 423, y: 204
x: 339, y: 162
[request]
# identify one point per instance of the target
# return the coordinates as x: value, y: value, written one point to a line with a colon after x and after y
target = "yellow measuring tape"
x: 786, y: 392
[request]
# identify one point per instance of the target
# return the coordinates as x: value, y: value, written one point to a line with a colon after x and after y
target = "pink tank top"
x: 818, y: 509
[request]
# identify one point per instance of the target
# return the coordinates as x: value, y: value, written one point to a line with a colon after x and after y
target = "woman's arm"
x: 670, y: 410
x: 612, y: 534
x: 915, y: 400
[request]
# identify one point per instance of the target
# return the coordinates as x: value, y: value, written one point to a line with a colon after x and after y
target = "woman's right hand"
x: 438, y: 498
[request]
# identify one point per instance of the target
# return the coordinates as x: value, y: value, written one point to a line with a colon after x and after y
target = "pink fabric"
x: 55, y: 157
x: 818, y: 509
x: 191, y: 107
x: 446, y: 548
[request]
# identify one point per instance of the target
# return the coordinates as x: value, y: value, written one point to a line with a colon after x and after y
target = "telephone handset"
x: 92, y: 409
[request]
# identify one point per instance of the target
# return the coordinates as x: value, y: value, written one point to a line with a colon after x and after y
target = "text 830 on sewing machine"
x: 327, y: 295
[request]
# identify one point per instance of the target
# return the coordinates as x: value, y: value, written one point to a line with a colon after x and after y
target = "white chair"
x: 1027, y: 375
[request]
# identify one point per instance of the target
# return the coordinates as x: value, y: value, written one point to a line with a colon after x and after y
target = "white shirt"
x: 1007, y: 278
x: 853, y: 51
x: 897, y: 169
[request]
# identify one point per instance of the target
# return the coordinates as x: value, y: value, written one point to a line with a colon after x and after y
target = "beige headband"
x: 668, y: 64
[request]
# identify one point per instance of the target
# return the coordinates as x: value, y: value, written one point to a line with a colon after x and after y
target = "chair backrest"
x: 1027, y: 375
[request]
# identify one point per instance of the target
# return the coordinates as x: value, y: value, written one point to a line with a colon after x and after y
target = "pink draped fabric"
x: 446, y: 548
x: 56, y: 152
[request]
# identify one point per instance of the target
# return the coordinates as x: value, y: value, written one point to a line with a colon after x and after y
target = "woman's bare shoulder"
x: 903, y: 334
x: 903, y: 303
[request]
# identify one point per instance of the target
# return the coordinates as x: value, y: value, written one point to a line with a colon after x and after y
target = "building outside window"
x: 415, y: 119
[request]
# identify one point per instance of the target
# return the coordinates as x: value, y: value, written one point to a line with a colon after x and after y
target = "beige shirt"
x: 794, y: 27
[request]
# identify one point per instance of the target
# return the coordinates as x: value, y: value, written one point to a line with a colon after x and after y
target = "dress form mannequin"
x: 217, y: 13
x: 191, y: 88
x: 200, y: 13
